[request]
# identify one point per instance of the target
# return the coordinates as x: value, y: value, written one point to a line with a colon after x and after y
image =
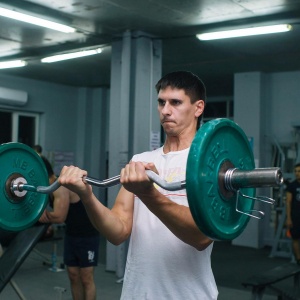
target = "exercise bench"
x: 16, y: 252
x: 271, y: 278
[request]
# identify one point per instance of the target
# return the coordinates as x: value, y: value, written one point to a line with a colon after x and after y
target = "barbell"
x: 220, y: 182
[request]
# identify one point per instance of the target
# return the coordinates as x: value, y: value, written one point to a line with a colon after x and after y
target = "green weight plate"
x: 218, y: 142
x: 19, y: 160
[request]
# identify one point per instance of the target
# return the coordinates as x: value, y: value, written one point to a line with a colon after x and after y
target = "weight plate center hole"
x: 225, y: 193
x: 15, y: 179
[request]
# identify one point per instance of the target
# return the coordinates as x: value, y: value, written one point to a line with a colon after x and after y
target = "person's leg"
x: 296, y: 249
x: 72, y: 264
x: 88, y: 283
x: 76, y: 284
x: 89, y: 250
x: 295, y: 233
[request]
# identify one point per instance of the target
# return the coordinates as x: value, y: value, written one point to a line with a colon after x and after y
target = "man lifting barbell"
x: 171, y: 233
x: 168, y: 256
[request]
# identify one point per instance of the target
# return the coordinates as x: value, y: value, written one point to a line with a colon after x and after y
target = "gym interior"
x: 96, y: 112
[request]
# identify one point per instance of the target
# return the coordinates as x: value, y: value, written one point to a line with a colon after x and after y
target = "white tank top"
x: 159, y: 265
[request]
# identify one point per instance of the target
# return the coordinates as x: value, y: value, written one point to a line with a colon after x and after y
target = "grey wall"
x: 265, y: 106
x: 284, y: 90
x: 71, y: 120
x: 57, y: 106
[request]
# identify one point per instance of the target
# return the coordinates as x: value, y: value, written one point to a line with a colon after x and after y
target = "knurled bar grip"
x: 234, y: 179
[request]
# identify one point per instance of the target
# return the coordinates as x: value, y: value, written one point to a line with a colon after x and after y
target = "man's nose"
x: 166, y: 109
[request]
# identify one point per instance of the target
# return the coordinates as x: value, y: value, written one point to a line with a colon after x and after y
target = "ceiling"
x: 175, y: 22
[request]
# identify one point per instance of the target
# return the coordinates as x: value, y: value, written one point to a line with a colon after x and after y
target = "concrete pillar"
x: 250, y: 102
x: 91, y: 134
x: 133, y: 119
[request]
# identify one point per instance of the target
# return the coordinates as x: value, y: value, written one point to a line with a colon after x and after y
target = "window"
x: 19, y: 127
x: 6, y: 127
x: 218, y: 108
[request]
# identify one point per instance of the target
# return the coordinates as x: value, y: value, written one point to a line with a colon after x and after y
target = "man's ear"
x: 200, y: 104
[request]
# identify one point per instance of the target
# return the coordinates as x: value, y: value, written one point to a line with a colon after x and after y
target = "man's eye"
x: 161, y: 102
x: 176, y: 102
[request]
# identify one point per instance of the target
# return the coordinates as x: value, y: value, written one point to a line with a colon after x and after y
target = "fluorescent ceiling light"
x: 244, y: 32
x: 72, y: 55
x: 12, y: 64
x: 34, y: 20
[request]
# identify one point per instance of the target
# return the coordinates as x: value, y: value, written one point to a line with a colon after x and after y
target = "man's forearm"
x: 106, y: 221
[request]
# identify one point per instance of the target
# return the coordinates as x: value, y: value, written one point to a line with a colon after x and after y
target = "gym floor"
x: 231, y: 265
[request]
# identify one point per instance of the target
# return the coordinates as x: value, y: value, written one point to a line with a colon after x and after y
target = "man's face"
x: 297, y: 173
x: 176, y: 111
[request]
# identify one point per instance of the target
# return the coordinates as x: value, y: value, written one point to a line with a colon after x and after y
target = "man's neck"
x: 176, y: 144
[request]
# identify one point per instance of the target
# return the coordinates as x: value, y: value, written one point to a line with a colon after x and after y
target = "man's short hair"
x: 48, y: 166
x: 38, y: 148
x: 187, y: 81
x: 297, y: 165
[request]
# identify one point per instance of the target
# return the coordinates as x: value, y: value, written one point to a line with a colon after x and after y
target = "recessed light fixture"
x: 34, y: 20
x: 244, y: 32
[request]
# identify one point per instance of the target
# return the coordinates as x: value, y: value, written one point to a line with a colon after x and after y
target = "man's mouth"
x: 167, y: 121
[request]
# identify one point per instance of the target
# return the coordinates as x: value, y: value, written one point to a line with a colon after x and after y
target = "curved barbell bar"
x: 234, y: 180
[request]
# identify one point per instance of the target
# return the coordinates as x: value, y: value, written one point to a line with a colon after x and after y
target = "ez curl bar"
x: 220, y: 182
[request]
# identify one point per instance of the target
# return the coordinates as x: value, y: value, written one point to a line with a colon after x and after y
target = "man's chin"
x: 170, y: 131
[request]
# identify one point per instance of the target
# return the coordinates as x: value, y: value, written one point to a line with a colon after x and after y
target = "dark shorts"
x: 81, y: 251
x: 295, y: 230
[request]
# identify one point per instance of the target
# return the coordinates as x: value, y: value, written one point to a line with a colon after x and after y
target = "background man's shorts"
x: 81, y: 251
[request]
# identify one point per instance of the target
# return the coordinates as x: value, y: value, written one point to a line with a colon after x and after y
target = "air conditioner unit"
x: 13, y: 97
